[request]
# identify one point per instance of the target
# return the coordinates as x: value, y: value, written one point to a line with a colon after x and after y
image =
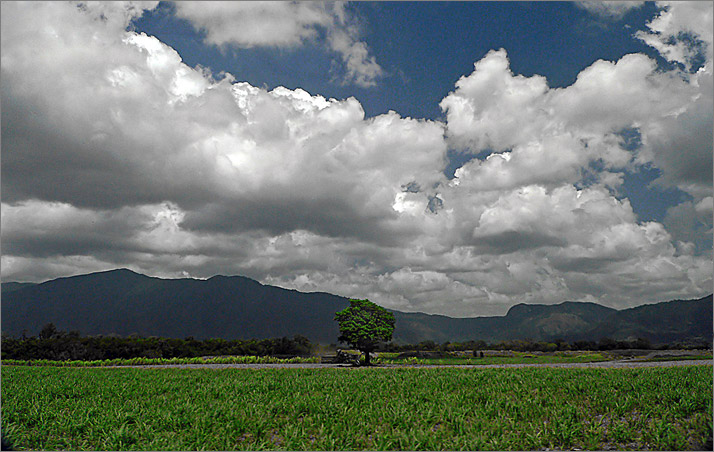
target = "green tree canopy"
x: 363, y: 325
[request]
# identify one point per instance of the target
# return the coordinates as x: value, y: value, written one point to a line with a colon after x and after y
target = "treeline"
x: 527, y: 345
x: 54, y: 344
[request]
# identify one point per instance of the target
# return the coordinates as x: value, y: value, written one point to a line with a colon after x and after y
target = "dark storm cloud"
x: 511, y: 241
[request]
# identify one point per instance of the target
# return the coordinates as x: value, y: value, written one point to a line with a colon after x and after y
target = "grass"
x: 678, y: 358
x: 522, y: 358
x: 160, y: 361
x: 381, y: 358
x: 384, y: 358
x: 367, y: 408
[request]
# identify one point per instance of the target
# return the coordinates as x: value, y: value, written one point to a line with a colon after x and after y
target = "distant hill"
x: 124, y: 302
x: 565, y: 320
x: 10, y: 286
x: 664, y: 322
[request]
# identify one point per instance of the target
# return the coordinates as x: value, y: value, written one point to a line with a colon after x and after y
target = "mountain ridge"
x: 125, y: 302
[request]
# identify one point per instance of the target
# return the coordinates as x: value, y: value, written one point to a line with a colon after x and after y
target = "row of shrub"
x: 527, y: 345
x: 53, y: 344
x: 56, y: 345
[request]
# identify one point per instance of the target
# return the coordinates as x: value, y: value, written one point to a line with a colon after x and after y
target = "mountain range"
x: 123, y: 302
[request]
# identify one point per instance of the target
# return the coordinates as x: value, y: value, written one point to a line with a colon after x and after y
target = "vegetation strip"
x: 382, y: 409
x: 584, y: 360
x: 54, y: 344
x: 162, y: 361
x: 521, y: 358
x: 602, y: 364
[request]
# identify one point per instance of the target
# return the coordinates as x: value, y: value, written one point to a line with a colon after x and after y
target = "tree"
x: 48, y: 331
x: 363, y: 325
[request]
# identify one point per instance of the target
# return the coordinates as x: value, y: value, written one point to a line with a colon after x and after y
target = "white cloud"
x: 251, y: 24
x: 129, y: 158
x: 285, y: 24
x: 489, y: 105
x: 118, y: 13
x: 609, y: 9
x: 361, y: 67
x: 681, y: 144
x: 682, y: 32
x: 544, y: 135
x: 155, y: 129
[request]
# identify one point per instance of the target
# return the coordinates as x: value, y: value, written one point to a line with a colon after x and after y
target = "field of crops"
x: 352, y: 409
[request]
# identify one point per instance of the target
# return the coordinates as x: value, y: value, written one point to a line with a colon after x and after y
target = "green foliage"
x: 50, y: 408
x: 364, y: 325
x: 529, y: 345
x: 163, y: 361
x: 53, y: 344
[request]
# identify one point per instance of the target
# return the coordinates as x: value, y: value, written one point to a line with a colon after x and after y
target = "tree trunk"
x: 366, y: 358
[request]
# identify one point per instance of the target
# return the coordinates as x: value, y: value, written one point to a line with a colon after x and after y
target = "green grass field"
x: 352, y: 409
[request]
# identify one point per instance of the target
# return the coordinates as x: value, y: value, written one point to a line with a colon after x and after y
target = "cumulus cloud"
x: 285, y: 24
x: 681, y: 144
x: 127, y: 157
x: 361, y: 67
x: 231, y: 156
x: 682, y: 32
x: 609, y: 9
x: 251, y: 24
x: 539, y: 134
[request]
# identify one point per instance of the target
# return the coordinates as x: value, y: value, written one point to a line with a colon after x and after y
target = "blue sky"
x: 425, y: 47
x: 442, y: 157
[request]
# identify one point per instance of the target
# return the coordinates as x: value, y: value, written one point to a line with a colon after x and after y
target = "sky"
x: 451, y: 158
